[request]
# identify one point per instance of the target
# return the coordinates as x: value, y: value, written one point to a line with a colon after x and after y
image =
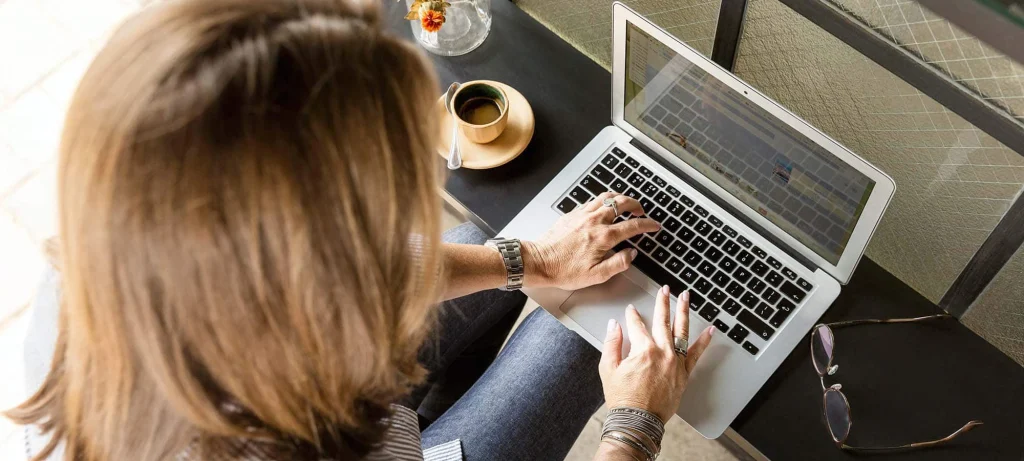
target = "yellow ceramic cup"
x: 481, y: 110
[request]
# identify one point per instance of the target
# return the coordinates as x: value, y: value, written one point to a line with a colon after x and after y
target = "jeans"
x: 530, y: 402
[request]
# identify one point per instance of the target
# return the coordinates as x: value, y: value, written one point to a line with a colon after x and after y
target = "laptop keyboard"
x: 734, y: 285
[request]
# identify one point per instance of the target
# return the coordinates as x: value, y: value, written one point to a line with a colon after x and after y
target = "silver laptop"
x: 763, y: 216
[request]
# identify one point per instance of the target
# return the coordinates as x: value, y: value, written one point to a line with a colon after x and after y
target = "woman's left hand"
x: 573, y: 254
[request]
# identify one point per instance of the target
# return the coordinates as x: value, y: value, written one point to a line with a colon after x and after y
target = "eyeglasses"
x: 836, y: 407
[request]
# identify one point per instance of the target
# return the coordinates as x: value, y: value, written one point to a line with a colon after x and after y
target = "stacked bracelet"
x: 636, y: 428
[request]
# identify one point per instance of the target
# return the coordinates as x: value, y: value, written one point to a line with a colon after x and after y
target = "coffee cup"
x: 481, y: 110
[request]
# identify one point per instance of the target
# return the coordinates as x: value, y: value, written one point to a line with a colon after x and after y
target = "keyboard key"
x: 706, y: 268
x: 678, y: 248
x: 693, y: 258
x: 688, y: 275
x: 749, y: 300
x: 713, y: 254
x: 715, y: 221
x: 750, y: 348
x: 646, y: 204
x: 735, y: 289
x: 731, y: 306
x: 593, y: 185
x: 774, y: 262
x: 673, y: 191
x: 665, y: 238
x: 610, y: 161
x: 786, y: 305
x: 792, y: 292
x: 696, y: 301
x: 648, y: 189
x: 709, y: 312
x: 745, y: 258
x: 580, y: 195
x: 620, y: 186
x: 699, y: 244
x: 778, y: 318
x: 759, y: 268
x: 729, y: 231
x: 646, y: 172
x: 789, y: 273
x: 633, y: 194
x: 702, y: 227
x: 738, y: 333
x: 722, y: 326
x: 618, y: 152
x: 672, y: 224
x: 756, y: 285
x: 743, y: 241
x: 701, y: 211
x: 749, y: 320
x: 771, y: 296
x: 759, y: 252
x: 716, y: 237
x: 742, y: 275
x: 603, y: 174
x: 727, y: 265
x: 661, y: 255
x: 674, y: 265
x: 731, y: 248
x: 703, y: 286
x: 764, y: 310
x: 773, y: 278
x: 686, y: 234
x: 636, y: 180
x: 804, y: 284
x: 623, y: 171
x: 675, y: 208
x: 689, y: 218
x: 657, y: 214
x: 660, y: 182
x: 720, y: 279
x: 632, y: 162
x: 648, y: 245
x: 566, y: 205
x: 687, y: 201
x: 658, y: 274
x: 662, y: 199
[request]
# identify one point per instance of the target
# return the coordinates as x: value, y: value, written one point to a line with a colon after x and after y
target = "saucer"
x: 504, y: 148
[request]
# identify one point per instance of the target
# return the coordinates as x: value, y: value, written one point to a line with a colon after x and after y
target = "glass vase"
x: 466, y: 25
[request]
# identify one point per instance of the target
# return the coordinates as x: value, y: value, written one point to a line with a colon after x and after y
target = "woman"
x: 251, y: 259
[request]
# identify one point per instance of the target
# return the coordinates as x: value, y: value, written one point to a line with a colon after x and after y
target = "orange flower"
x: 431, y: 20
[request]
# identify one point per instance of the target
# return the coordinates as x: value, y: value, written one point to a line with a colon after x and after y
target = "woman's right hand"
x: 653, y: 377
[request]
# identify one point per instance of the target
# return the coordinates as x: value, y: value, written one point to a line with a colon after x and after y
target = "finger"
x: 627, y: 229
x: 698, y: 347
x: 615, y: 264
x: 598, y: 202
x: 638, y: 335
x: 681, y: 325
x: 661, y: 330
x: 611, y: 354
x: 630, y: 204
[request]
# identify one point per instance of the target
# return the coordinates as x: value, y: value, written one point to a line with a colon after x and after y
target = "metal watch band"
x: 512, y: 255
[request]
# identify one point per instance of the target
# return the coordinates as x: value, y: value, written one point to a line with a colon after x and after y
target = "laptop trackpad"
x: 592, y: 307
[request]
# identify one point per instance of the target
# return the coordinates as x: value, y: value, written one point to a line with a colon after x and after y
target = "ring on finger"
x: 610, y: 203
x: 679, y: 344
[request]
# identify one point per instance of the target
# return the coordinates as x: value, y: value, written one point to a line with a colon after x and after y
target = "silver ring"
x: 610, y: 203
x: 680, y: 345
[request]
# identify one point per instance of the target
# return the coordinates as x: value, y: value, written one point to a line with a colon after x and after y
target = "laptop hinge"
x: 727, y: 206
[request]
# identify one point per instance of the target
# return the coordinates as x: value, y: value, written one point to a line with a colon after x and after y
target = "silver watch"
x: 512, y: 255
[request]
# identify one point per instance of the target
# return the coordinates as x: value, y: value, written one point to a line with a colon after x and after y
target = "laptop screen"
x: 789, y: 179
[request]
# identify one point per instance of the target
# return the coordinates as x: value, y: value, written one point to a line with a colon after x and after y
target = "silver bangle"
x: 637, y: 428
x: 628, y: 440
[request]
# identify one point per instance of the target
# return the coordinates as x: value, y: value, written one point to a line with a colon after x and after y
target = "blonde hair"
x: 249, y: 228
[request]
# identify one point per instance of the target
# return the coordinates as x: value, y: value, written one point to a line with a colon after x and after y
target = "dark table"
x: 905, y: 383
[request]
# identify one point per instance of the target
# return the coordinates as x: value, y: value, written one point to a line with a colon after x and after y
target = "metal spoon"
x: 454, y: 154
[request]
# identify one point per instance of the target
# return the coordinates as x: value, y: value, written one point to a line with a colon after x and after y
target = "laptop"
x: 763, y: 217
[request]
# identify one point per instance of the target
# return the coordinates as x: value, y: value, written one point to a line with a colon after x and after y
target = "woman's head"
x: 248, y: 213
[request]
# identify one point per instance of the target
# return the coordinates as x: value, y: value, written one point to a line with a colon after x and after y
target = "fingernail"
x: 686, y: 295
x: 711, y: 330
x: 611, y: 325
x: 664, y: 290
x: 631, y: 307
x: 632, y: 254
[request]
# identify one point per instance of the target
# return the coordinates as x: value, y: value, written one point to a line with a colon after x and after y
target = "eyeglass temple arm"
x: 905, y: 320
x: 970, y: 425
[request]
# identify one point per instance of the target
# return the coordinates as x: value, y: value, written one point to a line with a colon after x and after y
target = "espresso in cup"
x: 481, y: 110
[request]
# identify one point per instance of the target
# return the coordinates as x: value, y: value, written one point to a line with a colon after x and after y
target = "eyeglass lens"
x: 821, y: 348
x: 837, y: 413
